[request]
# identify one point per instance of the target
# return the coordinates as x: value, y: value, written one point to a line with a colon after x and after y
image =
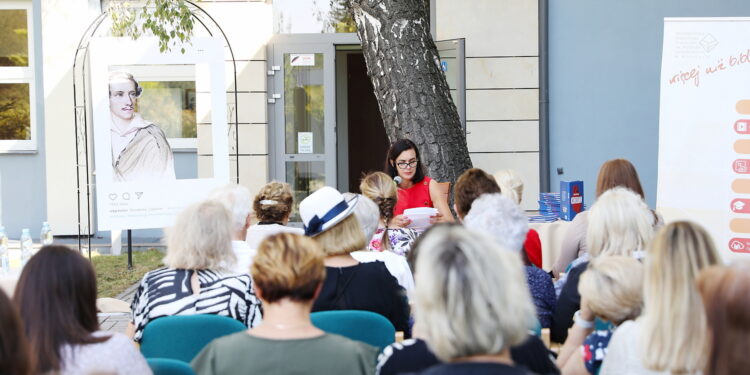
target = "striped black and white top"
x: 167, y: 292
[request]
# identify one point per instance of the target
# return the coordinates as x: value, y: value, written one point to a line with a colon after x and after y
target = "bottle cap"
x: 25, y: 231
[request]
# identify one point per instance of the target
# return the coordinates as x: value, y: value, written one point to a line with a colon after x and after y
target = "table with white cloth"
x: 551, y: 235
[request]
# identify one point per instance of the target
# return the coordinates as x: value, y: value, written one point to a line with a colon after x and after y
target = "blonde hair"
x: 380, y: 187
x: 471, y: 295
x: 673, y: 321
x: 288, y: 266
x: 201, y: 238
x: 619, y: 223
x: 273, y: 202
x: 511, y: 184
x: 342, y: 238
x: 613, y: 288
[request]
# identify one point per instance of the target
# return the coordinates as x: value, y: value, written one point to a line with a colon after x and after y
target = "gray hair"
x: 238, y: 200
x: 471, y: 296
x: 201, y: 238
x: 499, y: 217
x: 367, y: 214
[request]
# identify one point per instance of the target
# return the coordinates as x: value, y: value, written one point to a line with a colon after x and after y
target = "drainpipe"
x: 544, y: 169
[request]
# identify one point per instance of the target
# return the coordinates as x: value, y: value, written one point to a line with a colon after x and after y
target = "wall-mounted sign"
x: 305, y: 143
x: 302, y: 59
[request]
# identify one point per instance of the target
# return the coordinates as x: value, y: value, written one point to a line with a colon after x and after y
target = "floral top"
x: 595, y: 348
x: 401, y: 240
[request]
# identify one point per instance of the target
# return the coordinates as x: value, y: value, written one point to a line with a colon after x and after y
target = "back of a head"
x: 618, y: 172
x: 274, y: 202
x: 725, y: 291
x: 471, y: 296
x: 499, y: 217
x: 56, y: 296
x: 288, y: 265
x: 619, y: 223
x: 613, y: 287
x: 380, y: 187
x: 343, y: 238
x: 237, y: 199
x: 673, y: 312
x: 469, y: 186
x: 15, y: 355
x: 201, y: 238
x: 510, y: 184
x: 366, y: 212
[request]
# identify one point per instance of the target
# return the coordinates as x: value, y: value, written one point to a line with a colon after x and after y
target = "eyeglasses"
x: 405, y: 165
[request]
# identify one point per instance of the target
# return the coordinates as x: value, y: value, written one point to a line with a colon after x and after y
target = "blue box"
x: 571, y: 199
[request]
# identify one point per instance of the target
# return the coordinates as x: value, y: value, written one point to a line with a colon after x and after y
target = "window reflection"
x: 14, y: 44
x: 15, y: 119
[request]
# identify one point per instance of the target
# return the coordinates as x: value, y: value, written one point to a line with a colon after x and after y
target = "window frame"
x: 22, y: 74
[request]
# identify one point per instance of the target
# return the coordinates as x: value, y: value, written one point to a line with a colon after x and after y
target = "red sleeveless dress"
x: 416, y: 196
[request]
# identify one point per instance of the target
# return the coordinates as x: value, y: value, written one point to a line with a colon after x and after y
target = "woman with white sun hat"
x: 349, y: 284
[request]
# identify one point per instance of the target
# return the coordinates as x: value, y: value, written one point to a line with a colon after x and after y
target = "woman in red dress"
x: 415, y: 189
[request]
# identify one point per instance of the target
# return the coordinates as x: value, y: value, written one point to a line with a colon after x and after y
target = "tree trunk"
x: 411, y: 89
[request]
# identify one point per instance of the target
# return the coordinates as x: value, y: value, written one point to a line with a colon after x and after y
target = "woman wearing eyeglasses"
x: 415, y: 189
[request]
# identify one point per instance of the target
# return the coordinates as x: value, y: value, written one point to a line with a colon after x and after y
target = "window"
x: 17, y: 104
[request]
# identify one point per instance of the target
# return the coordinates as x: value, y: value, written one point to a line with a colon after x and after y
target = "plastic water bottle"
x: 26, y: 246
x: 45, y: 237
x: 4, y: 256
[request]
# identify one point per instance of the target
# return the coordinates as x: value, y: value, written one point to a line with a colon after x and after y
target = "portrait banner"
x: 147, y: 107
x: 704, y: 128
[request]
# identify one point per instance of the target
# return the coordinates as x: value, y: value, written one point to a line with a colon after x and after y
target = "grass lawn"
x: 112, y: 275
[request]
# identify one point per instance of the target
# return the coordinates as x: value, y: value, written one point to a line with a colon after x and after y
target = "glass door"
x: 303, y: 101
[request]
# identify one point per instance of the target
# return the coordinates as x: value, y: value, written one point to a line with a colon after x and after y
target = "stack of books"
x: 549, y: 208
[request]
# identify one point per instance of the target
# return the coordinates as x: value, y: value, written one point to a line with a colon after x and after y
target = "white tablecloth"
x: 551, y: 235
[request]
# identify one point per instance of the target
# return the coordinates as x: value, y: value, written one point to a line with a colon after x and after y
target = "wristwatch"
x: 583, y: 323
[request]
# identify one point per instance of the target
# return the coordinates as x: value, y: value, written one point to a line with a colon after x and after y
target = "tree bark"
x: 411, y: 89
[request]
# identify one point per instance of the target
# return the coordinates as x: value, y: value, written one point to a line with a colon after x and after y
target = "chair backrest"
x: 167, y: 366
x: 182, y: 337
x: 365, y: 326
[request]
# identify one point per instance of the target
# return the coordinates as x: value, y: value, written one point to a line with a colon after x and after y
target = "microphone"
x: 397, y: 180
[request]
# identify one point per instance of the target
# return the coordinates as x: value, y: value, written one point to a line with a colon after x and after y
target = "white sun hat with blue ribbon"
x: 323, y: 209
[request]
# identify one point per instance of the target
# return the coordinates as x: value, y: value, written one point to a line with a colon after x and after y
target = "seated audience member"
x: 613, y: 173
x: 381, y: 188
x: 237, y: 199
x: 465, y: 319
x: 670, y: 335
x: 197, y: 278
x: 620, y: 223
x: 366, y: 212
x: 349, y: 284
x: 469, y: 186
x: 725, y: 291
x: 511, y: 186
x: 56, y: 296
x: 288, y: 271
x: 506, y: 223
x: 272, y: 206
x: 611, y: 290
x: 15, y: 354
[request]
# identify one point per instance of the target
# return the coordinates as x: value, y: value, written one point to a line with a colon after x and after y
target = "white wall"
x: 502, y: 83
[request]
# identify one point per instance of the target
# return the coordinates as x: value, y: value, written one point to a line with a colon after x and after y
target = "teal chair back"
x: 365, y: 326
x: 182, y: 337
x: 166, y: 366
